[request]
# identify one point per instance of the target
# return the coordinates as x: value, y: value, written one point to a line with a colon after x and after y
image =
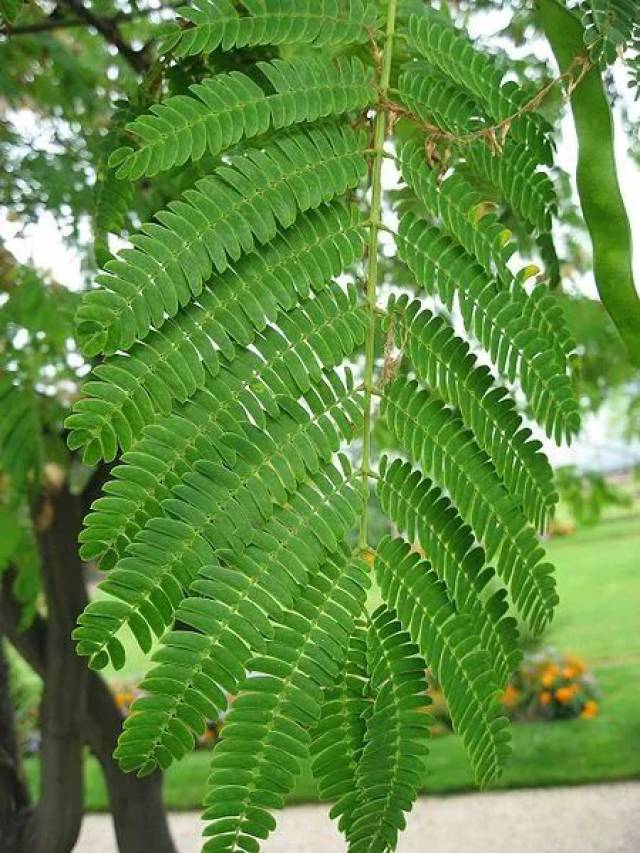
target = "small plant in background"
x: 125, y: 693
x: 25, y: 693
x: 553, y: 686
x: 587, y: 495
x: 561, y: 528
x: 438, y: 709
x: 548, y: 685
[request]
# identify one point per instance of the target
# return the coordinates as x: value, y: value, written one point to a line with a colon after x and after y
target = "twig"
x: 496, y: 134
x: 139, y: 60
x: 52, y: 23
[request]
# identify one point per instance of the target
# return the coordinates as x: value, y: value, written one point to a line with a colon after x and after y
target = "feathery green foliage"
x: 278, y: 703
x: 229, y: 387
x: 9, y: 11
x: 231, y: 107
x: 20, y: 438
x: 426, y: 516
x: 445, y: 449
x: 443, y: 362
x: 240, y: 206
x: 338, y: 738
x: 390, y: 763
x: 503, y: 320
x: 461, y: 666
x: 212, y: 24
x: 112, y: 196
x: 609, y: 26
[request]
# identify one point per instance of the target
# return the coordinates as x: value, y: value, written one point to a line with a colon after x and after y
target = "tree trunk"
x: 54, y: 824
x: 14, y: 797
x: 138, y: 811
x: 139, y: 817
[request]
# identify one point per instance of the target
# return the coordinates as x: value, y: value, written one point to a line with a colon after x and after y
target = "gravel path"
x: 588, y: 819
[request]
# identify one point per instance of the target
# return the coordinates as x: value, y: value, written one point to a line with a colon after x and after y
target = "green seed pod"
x: 598, y: 187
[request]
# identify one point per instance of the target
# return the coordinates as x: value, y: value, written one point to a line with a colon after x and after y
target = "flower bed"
x: 551, y: 686
x: 547, y: 686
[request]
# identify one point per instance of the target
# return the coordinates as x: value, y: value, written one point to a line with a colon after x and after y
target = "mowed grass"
x: 598, y: 574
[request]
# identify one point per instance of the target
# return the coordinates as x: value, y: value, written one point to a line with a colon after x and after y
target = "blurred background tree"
x: 63, y: 68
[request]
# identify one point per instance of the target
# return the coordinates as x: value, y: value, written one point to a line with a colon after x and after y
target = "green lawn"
x: 598, y: 574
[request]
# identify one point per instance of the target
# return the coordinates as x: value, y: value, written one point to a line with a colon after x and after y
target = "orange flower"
x: 564, y: 695
x: 590, y: 710
x: 550, y: 674
x: 545, y: 697
x: 569, y: 672
x: 576, y: 664
x: 123, y: 699
x: 510, y: 696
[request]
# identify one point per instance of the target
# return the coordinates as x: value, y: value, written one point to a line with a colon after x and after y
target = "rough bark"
x: 54, y: 824
x: 139, y: 817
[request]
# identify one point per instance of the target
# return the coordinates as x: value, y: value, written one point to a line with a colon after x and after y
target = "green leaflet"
x: 217, y: 24
x: 112, y: 196
x: 515, y: 173
x: 390, y: 767
x: 435, y: 437
x: 454, y: 201
x: 231, y: 610
x: 444, y: 363
x: 229, y: 213
x: 126, y: 393
x: 609, y: 27
x: 452, y: 54
x: 425, y: 515
x: 170, y: 449
x: 230, y: 107
x: 435, y: 100
x: 266, y: 734
x: 598, y: 187
x: 21, y: 451
x: 9, y: 12
x: 511, y: 166
x: 213, y: 506
x: 525, y: 336
x: 338, y: 739
x: 449, y: 644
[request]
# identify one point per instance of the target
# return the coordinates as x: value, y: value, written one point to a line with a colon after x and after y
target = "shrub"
x: 26, y: 690
x: 547, y: 686
x: 551, y: 686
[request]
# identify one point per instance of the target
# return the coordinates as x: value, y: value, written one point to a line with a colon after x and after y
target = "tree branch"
x: 54, y: 824
x: 108, y: 29
x: 53, y: 23
x: 136, y: 804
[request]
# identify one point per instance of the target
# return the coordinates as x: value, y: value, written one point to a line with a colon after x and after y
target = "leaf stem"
x: 379, y: 135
